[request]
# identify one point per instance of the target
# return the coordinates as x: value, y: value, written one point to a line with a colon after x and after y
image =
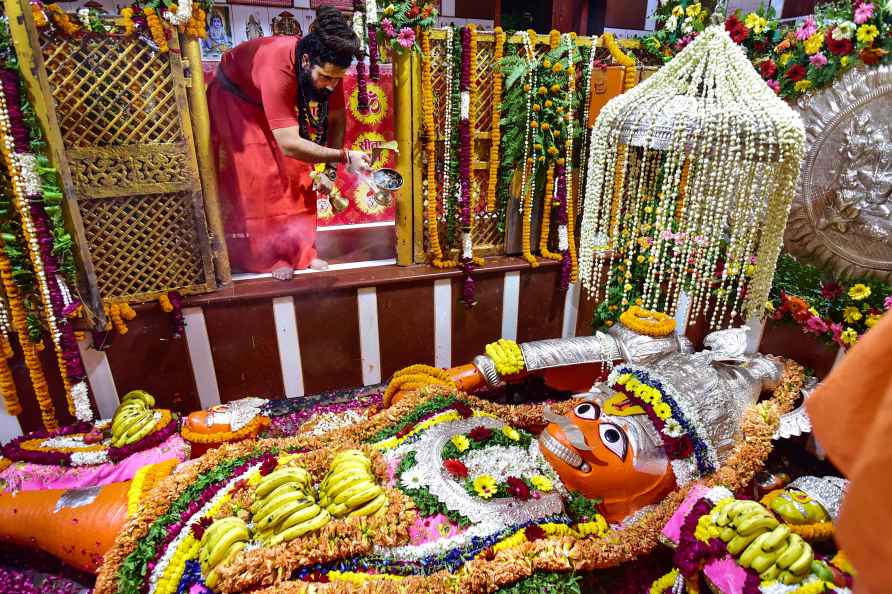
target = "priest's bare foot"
x: 317, y: 264
x: 283, y: 273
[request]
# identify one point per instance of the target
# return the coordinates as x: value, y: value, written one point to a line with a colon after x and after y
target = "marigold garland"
x: 528, y: 219
x: 5, y: 463
x: 647, y: 322
x: 495, y: 137
x: 814, y: 532
x: 254, y: 426
x: 421, y: 374
x: 623, y: 59
x: 665, y: 583
x: 545, y: 231
x: 61, y: 19
x: 145, y: 480
x: 156, y: 29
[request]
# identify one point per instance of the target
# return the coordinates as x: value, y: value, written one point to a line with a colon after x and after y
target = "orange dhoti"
x: 269, y: 206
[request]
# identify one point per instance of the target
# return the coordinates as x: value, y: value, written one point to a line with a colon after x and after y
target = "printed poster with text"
x: 365, y: 132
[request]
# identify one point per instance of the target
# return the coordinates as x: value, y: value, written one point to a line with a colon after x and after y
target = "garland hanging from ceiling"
x: 691, y: 175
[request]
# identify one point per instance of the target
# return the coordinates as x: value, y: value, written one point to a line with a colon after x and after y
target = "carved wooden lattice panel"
x: 128, y: 159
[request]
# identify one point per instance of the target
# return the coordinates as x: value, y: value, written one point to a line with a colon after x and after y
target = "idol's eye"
x: 587, y: 411
x: 614, y: 440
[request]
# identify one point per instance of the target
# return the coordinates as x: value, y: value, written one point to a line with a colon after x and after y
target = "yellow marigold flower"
x: 872, y: 320
x: 485, y: 486
x: 511, y: 433
x: 678, y: 11
x: 769, y: 306
x: 546, y: 63
x: 558, y: 67
x: 813, y: 44
x: 460, y: 442
x: 802, y: 85
x: 627, y: 287
x: 555, y: 88
x: 548, y: 103
x: 389, y: 10
x: 867, y: 33
x: 624, y: 378
x: 844, y: 60
x: 536, y: 107
x: 784, y: 58
x: 749, y: 270
x: 755, y: 22
x: 849, y: 337
x: 694, y: 9
x: 662, y: 410
x: 542, y: 483
x: 851, y: 314
x: 859, y: 292
x: 640, y: 259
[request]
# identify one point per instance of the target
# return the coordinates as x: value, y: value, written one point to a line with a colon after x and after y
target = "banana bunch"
x: 221, y: 542
x: 349, y: 488
x: 284, y: 507
x: 134, y: 419
x: 761, y: 543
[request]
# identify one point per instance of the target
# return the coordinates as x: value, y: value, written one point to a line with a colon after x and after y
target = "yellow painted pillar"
x: 201, y: 128
x: 404, y: 81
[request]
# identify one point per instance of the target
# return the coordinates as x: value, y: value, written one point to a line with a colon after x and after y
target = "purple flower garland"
x: 363, y: 99
x: 68, y: 348
x: 178, y: 322
x: 562, y: 220
x: 464, y: 171
x: 14, y: 451
x: 374, y: 69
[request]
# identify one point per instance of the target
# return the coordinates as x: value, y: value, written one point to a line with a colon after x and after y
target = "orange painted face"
x: 616, y: 459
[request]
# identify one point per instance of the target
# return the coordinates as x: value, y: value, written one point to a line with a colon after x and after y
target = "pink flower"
x: 863, y: 13
x: 818, y: 60
x: 887, y: 304
x: 809, y: 27
x: 836, y: 329
x: 387, y: 27
x: 406, y: 37
x: 831, y: 291
x: 666, y: 235
x: 816, y: 325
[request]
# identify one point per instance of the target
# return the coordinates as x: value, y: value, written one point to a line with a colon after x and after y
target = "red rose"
x: 768, y: 69
x: 839, y: 47
x: 518, y: 489
x: 456, y: 468
x: 480, y: 433
x: 463, y: 409
x: 533, y: 533
x: 795, y: 73
x: 413, y: 12
x: 736, y: 29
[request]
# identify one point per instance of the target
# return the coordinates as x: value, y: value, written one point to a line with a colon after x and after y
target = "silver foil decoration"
x: 796, y: 422
x: 76, y: 498
x: 828, y: 491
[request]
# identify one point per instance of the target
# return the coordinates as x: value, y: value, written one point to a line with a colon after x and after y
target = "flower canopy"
x: 690, y: 179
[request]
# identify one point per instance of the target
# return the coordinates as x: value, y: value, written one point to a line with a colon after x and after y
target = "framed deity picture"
x: 249, y: 22
x: 295, y: 21
x: 219, y: 37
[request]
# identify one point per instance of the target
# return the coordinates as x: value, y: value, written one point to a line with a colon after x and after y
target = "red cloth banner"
x: 365, y: 132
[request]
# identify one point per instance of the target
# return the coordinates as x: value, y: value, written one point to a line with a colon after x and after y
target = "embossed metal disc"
x: 842, y: 214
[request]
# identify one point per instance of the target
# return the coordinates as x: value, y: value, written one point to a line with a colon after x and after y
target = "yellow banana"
x: 789, y: 579
x: 213, y: 534
x: 371, y: 507
x: 261, y: 517
x: 300, y: 529
x: 143, y: 430
x: 222, y: 546
x: 349, y: 492
x: 141, y: 396
x: 763, y: 562
x: 801, y: 565
x: 771, y: 573
x: 337, y: 509
x: 126, y: 421
x: 275, y: 518
x: 753, y: 551
x: 727, y: 533
x: 232, y: 552
x: 299, y: 516
x: 792, y: 552
x: 777, y: 538
x: 211, y: 580
x: 755, y: 523
x: 126, y: 428
x: 259, y: 504
x: 345, y: 484
x: 273, y: 480
x: 363, y: 497
x: 737, y: 544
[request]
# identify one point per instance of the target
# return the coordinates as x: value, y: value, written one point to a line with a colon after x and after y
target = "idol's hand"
x: 358, y: 162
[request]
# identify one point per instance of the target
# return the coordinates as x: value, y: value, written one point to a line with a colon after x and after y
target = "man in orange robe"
x: 277, y: 108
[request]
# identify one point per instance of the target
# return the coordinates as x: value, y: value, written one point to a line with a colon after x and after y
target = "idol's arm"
x: 296, y: 147
x: 337, y: 126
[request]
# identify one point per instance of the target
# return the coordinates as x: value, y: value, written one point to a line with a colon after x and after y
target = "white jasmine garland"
x: 84, y: 16
x: 563, y: 240
x: 359, y: 30
x: 328, y: 421
x: 500, y: 462
x: 443, y: 545
x: 371, y: 11
x: 89, y: 458
x: 467, y: 245
x: 80, y: 395
x: 183, y: 14
x: 717, y: 494
x: 465, y: 110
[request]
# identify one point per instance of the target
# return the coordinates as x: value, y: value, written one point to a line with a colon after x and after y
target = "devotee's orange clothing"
x: 851, y: 412
x: 269, y: 206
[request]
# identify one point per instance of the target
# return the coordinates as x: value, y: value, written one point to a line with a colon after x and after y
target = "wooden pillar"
x: 406, y: 98
x: 567, y: 16
x: 201, y: 128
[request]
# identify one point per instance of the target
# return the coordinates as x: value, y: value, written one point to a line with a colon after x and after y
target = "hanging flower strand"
x: 495, y: 132
x: 466, y: 132
x: 27, y: 193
